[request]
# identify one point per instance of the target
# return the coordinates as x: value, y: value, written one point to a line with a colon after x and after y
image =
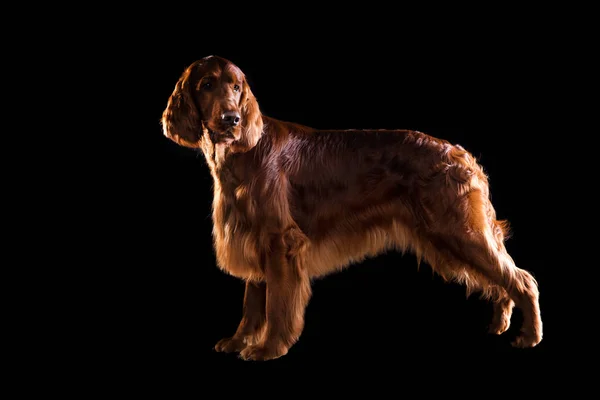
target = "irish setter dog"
x: 292, y: 203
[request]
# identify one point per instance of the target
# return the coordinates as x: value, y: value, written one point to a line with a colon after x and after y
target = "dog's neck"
x: 215, y: 153
x: 220, y: 159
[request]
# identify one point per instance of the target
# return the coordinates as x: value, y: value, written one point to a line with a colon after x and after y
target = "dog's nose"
x: 231, y: 118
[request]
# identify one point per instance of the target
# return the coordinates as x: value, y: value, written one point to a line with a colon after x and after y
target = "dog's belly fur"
x: 339, y: 251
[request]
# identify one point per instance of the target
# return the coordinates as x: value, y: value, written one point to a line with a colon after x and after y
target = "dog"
x: 292, y: 203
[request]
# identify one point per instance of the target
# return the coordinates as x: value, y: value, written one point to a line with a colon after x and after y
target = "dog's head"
x: 213, y: 101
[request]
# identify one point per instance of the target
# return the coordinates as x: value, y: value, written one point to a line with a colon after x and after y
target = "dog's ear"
x: 181, y: 120
x: 252, y: 123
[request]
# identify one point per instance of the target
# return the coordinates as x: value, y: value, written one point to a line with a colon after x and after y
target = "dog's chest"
x: 236, y: 239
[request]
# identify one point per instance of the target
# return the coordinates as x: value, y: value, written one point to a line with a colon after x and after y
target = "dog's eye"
x: 236, y: 88
x: 207, y: 85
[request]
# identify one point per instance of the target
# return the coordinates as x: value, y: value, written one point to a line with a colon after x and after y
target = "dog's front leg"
x: 253, y: 320
x: 288, y: 292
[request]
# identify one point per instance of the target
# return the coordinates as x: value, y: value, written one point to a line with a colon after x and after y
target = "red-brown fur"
x: 292, y: 203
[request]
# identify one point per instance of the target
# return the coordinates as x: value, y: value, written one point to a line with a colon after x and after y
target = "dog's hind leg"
x: 469, y: 233
x: 476, y: 238
x: 503, y: 308
x: 452, y: 269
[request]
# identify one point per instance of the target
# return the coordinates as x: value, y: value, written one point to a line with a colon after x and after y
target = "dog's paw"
x: 262, y: 352
x: 230, y: 345
x: 526, y: 340
x: 499, y: 327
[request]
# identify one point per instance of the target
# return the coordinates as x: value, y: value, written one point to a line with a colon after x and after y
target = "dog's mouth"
x: 227, y: 136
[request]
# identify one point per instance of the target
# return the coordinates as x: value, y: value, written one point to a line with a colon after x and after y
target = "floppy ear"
x: 181, y: 120
x: 252, y: 123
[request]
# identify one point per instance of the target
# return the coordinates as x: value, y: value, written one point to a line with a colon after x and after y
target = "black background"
x: 169, y: 302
